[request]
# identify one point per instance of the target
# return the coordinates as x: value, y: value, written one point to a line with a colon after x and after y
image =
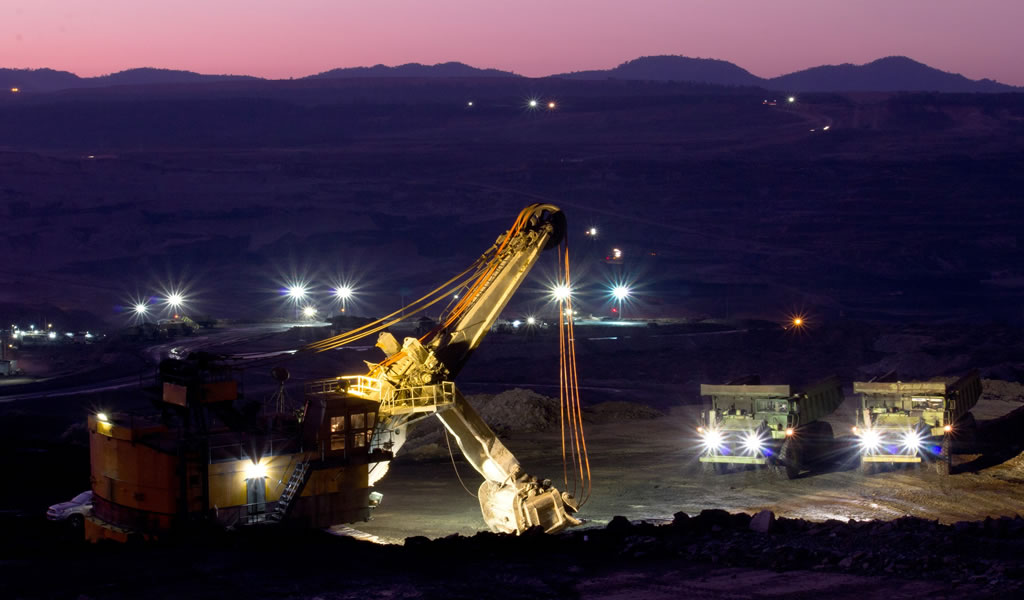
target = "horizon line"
x: 511, y: 72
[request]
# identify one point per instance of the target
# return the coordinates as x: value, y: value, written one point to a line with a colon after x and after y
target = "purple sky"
x: 294, y: 38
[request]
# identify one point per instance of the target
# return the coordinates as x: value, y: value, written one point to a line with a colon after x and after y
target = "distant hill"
x: 442, y: 70
x: 673, y: 68
x: 49, y: 80
x: 891, y: 74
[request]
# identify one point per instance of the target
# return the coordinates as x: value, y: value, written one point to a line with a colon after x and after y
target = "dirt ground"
x: 647, y: 469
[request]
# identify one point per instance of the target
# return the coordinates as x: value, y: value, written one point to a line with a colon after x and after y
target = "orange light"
x: 798, y: 321
x: 700, y: 430
x: 854, y: 429
x: 789, y: 431
x: 551, y: 105
x: 947, y: 428
x: 15, y: 90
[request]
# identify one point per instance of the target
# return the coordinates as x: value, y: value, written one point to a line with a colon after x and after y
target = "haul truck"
x: 767, y: 426
x: 914, y: 422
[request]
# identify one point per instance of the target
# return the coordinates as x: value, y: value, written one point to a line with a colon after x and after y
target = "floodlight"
x: 255, y: 470
x: 561, y: 292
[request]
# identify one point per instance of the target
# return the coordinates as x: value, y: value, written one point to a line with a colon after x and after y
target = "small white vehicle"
x: 73, y: 511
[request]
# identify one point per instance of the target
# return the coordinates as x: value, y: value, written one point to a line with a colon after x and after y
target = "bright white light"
x: 255, y: 470
x: 531, y: 321
x: 470, y: 103
x: 620, y: 292
x: 140, y: 308
x: 175, y: 300
x: 516, y: 323
x: 826, y: 128
x: 343, y: 292
x: 616, y: 253
x: 791, y: 99
x: 592, y: 231
x: 712, y: 440
x: 561, y: 292
x: 309, y: 311
x: 911, y: 441
x: 52, y: 335
x: 752, y: 443
x: 102, y: 417
x: 533, y: 103
x: 870, y: 441
x: 297, y: 292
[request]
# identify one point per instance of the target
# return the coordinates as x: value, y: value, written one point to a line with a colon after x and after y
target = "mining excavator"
x: 212, y: 456
x: 416, y: 380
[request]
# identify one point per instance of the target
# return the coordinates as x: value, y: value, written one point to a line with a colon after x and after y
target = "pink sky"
x: 294, y: 38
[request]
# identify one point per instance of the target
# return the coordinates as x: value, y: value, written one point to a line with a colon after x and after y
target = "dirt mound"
x: 1005, y: 391
x: 610, y: 412
x: 517, y: 411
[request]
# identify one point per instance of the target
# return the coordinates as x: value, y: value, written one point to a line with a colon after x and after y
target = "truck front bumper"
x: 736, y: 460
x: 891, y: 458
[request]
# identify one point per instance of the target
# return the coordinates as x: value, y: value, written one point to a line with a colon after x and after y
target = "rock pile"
x: 986, y: 553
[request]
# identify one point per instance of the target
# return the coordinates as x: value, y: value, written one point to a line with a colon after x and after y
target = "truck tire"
x: 790, y: 457
x: 944, y: 462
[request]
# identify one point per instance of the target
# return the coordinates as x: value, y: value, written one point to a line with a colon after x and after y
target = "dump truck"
x: 914, y: 422
x: 767, y: 426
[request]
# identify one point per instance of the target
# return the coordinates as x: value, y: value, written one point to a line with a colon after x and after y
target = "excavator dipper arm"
x: 511, y: 501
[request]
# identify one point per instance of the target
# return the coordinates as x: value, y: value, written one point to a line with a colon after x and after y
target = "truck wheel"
x: 789, y: 456
x: 944, y: 462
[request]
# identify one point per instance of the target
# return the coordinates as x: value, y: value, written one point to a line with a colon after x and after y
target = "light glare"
x: 870, y: 441
x: 255, y: 470
x: 561, y: 292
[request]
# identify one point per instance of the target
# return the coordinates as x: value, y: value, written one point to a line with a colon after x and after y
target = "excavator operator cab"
x: 339, y: 426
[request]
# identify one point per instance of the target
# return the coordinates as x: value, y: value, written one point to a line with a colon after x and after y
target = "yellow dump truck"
x: 769, y: 426
x: 914, y: 422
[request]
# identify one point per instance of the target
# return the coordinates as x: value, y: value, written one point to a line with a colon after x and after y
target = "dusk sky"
x: 294, y: 38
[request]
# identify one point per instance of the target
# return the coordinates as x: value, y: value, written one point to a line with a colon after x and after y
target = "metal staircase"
x: 297, y: 481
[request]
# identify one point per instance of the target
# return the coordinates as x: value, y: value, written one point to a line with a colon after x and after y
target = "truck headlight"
x: 870, y: 441
x: 712, y: 439
x: 911, y: 441
x: 752, y: 443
